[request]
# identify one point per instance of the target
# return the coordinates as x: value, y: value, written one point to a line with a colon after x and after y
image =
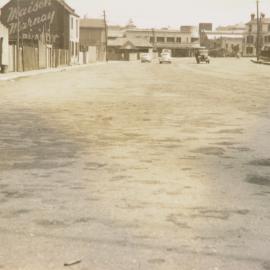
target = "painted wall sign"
x: 34, y: 14
x: 38, y: 20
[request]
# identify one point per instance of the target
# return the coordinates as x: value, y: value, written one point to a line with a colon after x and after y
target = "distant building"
x: 93, y: 34
x: 240, y: 27
x: 204, y: 27
x: 223, y: 43
x: 189, y: 29
x: 52, y: 22
x: 180, y: 43
x: 116, y: 31
x: 4, y: 49
x: 127, y: 49
x: 250, y: 35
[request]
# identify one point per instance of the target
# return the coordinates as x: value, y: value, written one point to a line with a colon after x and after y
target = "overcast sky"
x: 158, y: 13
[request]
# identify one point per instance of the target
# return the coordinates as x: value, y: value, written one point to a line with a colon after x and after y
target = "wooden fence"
x: 37, y: 57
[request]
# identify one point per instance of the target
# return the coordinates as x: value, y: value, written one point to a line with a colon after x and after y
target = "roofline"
x: 157, y: 30
x: 99, y: 27
x: 68, y: 7
x: 61, y: 2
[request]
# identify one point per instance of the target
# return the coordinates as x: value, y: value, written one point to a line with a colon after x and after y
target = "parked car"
x: 165, y: 58
x: 146, y: 58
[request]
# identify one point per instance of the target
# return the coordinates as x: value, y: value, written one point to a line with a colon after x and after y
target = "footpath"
x: 16, y: 75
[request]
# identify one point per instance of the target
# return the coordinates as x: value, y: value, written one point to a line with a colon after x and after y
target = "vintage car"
x: 146, y: 58
x: 202, y: 56
x: 165, y: 57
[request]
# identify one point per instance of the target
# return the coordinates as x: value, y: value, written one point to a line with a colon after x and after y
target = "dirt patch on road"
x: 213, y: 151
x: 260, y: 162
x: 258, y: 180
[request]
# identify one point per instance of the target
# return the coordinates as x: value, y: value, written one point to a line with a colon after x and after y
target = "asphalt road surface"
x: 127, y: 166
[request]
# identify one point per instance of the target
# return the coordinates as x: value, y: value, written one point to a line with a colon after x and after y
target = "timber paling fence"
x: 36, y: 57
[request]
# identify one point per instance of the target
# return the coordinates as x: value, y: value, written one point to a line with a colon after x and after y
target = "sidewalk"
x: 16, y: 75
x: 260, y: 62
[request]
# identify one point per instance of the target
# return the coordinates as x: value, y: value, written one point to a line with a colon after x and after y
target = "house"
x: 4, y: 48
x: 127, y: 49
x: 93, y: 34
x: 250, y: 35
x: 51, y: 22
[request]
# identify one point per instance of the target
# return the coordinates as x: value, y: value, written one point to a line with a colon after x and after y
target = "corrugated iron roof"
x: 92, y: 23
x: 223, y: 34
x: 136, y: 42
x: 218, y: 36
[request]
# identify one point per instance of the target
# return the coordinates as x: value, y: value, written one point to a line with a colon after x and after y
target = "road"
x: 137, y: 166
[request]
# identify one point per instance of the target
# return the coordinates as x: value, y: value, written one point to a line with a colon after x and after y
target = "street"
x: 125, y: 166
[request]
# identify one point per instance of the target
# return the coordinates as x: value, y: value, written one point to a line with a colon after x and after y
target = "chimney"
x: 252, y: 16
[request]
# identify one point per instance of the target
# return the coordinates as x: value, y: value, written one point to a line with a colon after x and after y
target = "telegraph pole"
x: 154, y: 38
x: 18, y: 35
x: 258, y: 32
x: 106, y: 34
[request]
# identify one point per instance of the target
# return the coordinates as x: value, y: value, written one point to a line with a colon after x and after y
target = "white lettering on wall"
x: 34, y: 7
x: 47, y: 19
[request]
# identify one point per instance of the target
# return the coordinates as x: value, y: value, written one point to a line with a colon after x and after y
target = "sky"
x: 172, y: 13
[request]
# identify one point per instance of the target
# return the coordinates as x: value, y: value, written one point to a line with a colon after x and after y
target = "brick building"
x: 52, y: 22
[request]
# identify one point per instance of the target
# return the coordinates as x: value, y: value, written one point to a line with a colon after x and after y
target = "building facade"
x: 223, y: 43
x: 51, y: 22
x: 4, y: 47
x: 127, y: 49
x: 93, y: 34
x: 202, y: 28
x: 181, y: 43
x: 250, y: 35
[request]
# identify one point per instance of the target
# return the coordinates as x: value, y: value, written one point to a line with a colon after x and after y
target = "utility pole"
x: 154, y: 38
x: 258, y: 32
x: 106, y: 34
x: 18, y: 35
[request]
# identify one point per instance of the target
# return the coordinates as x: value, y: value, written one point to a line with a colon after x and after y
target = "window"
x: 171, y: 39
x: 267, y: 39
x: 250, y: 39
x: 72, y: 48
x: 77, y: 28
x: 178, y: 40
x: 249, y: 50
x: 250, y: 28
x: 71, y: 23
x: 152, y: 39
x: 160, y: 39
